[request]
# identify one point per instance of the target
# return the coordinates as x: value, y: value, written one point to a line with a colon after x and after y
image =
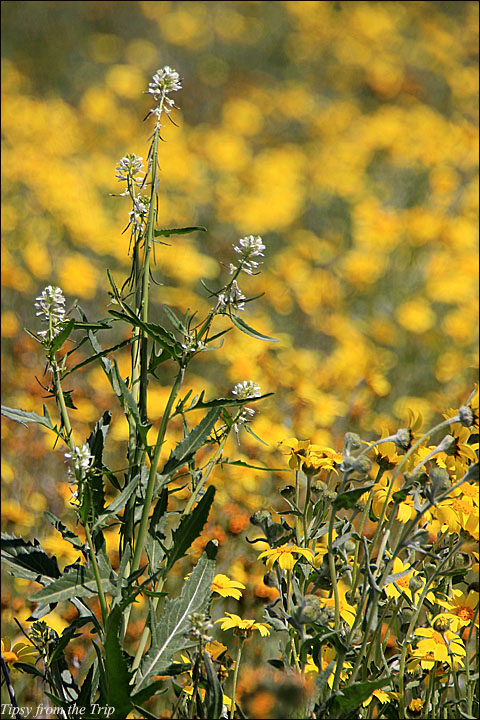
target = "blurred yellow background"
x: 344, y: 133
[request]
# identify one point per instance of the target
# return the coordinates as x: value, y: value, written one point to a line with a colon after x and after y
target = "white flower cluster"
x: 233, y: 298
x: 129, y: 166
x: 165, y: 80
x: 192, y: 345
x: 246, y: 389
x: 81, y: 458
x: 50, y: 307
x: 243, y: 391
x: 139, y: 212
x: 248, y: 247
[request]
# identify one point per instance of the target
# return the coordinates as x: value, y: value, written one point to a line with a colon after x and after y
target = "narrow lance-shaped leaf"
x: 192, y: 442
x: 242, y: 325
x: 118, y: 675
x: 190, y: 527
x: 170, y: 636
x: 166, y: 232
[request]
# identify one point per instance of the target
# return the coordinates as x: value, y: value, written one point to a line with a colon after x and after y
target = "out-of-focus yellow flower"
x: 241, y: 627
x: 20, y: 652
x: 284, y: 554
x: 416, y: 315
x: 226, y: 587
x: 328, y: 654
x: 347, y: 611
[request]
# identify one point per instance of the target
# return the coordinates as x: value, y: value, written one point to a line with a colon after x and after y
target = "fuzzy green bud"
x: 441, y: 624
x: 461, y: 560
x: 350, y: 546
x: 310, y: 609
x: 466, y: 415
x: 407, y: 614
x: 260, y: 517
x: 448, y: 445
x: 318, y: 487
x: 403, y: 439
x: 287, y: 492
x: 352, y: 441
x: 330, y: 495
x: 440, y: 478
x: 415, y: 583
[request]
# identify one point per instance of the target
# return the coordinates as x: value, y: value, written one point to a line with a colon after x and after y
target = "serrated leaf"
x: 29, y: 560
x: 153, y: 547
x: 348, y: 499
x: 353, y: 696
x: 117, y: 504
x: 166, y: 232
x: 199, y: 403
x: 170, y: 636
x: 96, y: 443
x: 127, y: 401
x: 167, y: 341
x: 242, y: 325
x: 187, y: 447
x: 190, y: 527
x: 25, y: 416
x: 65, y: 532
x: 98, y: 355
x: 118, y: 674
x: 78, y: 581
x: 146, y: 693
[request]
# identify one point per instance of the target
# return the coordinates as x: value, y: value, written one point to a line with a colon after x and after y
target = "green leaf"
x: 61, y: 337
x: 29, y: 668
x: 190, y: 527
x: 166, y: 232
x: 117, y: 504
x: 187, y: 448
x: 127, y: 401
x: 177, y: 324
x: 98, y: 355
x: 170, y: 637
x: 241, y: 463
x: 153, y: 547
x: 353, y: 696
x: 348, y: 499
x: 25, y: 417
x: 199, y: 403
x: 242, y: 325
x: 167, y: 341
x: 96, y: 443
x: 400, y: 495
x: 65, y: 532
x: 214, y: 697
x: 78, y: 581
x: 144, y: 695
x: 28, y: 560
x: 117, y: 672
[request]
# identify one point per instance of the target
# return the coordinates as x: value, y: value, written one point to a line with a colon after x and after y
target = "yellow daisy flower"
x: 243, y: 627
x: 20, y: 652
x: 295, y: 450
x: 461, y: 609
x: 438, y: 646
x: 227, y: 588
x: 328, y: 654
x: 284, y: 554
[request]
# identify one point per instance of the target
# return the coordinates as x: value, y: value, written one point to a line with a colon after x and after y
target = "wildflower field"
x: 239, y: 359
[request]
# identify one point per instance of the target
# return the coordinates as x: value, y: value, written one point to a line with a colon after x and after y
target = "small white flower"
x: 129, y: 166
x: 140, y: 211
x: 193, y: 345
x: 164, y: 81
x: 246, y: 389
x: 232, y: 298
x: 249, y: 247
x: 80, y: 457
x: 50, y: 307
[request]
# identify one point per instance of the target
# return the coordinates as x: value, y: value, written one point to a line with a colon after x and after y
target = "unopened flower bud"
x: 350, y: 546
x: 441, y: 624
x: 318, y: 487
x: 448, y: 445
x: 310, y: 609
x: 467, y: 416
x: 403, y: 439
x: 351, y: 442
x: 440, y: 478
x: 407, y: 614
x: 330, y: 495
x: 461, y: 560
x: 415, y: 583
x: 288, y: 491
x: 415, y: 708
x: 260, y: 517
x: 430, y: 568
